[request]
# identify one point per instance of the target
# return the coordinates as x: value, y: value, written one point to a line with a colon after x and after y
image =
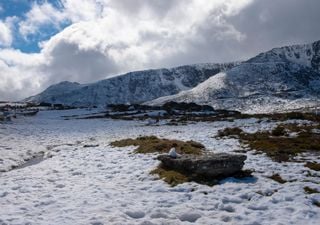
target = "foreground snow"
x: 105, y: 185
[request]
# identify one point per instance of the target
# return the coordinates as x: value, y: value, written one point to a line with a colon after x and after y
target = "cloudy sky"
x: 47, y: 41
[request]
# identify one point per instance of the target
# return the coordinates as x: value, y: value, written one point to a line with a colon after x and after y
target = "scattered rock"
x: 316, y: 203
x: 173, y: 153
x: 91, y: 146
x: 136, y: 214
x: 36, y: 159
x: 189, y: 217
x: 97, y: 223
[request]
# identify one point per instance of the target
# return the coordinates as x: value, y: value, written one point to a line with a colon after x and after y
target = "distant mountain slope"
x: 307, y: 55
x: 134, y: 87
x: 283, y: 78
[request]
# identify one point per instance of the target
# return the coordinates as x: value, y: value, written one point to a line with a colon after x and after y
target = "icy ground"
x: 105, y: 185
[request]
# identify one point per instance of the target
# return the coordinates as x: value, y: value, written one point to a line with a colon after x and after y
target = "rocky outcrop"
x: 209, y: 165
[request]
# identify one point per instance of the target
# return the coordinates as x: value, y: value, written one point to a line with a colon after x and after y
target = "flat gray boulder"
x: 208, y: 165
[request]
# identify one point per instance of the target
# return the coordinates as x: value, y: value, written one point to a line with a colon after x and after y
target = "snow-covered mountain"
x: 281, y: 79
x: 307, y: 55
x: 133, y: 87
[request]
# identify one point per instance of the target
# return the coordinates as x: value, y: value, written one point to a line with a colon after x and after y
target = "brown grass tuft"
x: 310, y: 190
x: 313, y: 166
x: 235, y: 131
x: 170, y: 176
x: 153, y: 144
x: 276, y: 177
x: 275, y: 144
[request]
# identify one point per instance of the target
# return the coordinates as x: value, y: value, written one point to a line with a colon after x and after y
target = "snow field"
x: 105, y: 185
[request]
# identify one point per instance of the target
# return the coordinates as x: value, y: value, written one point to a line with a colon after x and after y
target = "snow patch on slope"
x: 255, y: 87
x: 282, y: 79
x: 307, y: 55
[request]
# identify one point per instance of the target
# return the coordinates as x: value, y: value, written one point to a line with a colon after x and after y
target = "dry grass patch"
x: 316, y: 203
x: 276, y: 177
x: 277, y: 144
x: 313, y: 166
x: 310, y: 190
x: 283, y: 116
x: 279, y: 131
x: 171, y: 177
x: 235, y: 131
x: 153, y: 144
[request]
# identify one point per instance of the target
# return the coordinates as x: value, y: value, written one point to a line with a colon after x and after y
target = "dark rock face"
x: 315, y: 62
x: 189, y: 107
x: 210, y: 165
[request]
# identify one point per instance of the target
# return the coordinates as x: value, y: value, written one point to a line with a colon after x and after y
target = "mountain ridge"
x: 282, y: 78
x: 132, y: 87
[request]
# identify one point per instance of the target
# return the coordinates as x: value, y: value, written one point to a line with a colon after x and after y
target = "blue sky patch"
x: 19, y: 9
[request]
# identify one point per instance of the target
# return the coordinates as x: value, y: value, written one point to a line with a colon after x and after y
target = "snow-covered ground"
x: 105, y: 185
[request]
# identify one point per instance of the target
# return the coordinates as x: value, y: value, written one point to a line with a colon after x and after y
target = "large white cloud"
x: 45, y: 14
x: 108, y: 37
x: 40, y: 15
x: 19, y: 74
x: 5, y: 34
x: 111, y: 37
x: 137, y: 34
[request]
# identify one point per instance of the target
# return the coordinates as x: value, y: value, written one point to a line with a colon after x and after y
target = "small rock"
x: 173, y: 154
x: 189, y: 217
x: 136, y: 214
x: 91, y: 146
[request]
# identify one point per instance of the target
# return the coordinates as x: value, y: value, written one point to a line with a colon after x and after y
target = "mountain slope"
x: 307, y: 55
x: 134, y: 87
x: 283, y: 78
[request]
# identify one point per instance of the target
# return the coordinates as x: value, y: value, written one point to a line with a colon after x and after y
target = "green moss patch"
x: 277, y: 144
x: 153, y: 144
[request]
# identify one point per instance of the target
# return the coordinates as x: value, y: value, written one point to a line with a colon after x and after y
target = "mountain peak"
x: 306, y: 55
x: 282, y: 78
